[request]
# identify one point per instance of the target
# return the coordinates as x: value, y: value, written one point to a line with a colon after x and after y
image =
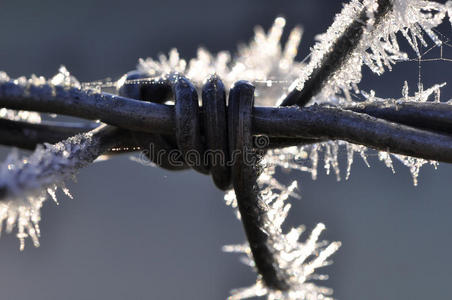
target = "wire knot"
x: 205, y: 136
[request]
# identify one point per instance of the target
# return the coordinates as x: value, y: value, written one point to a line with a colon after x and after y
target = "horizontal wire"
x: 112, y: 109
x: 27, y: 136
x: 334, y: 123
x: 317, y: 123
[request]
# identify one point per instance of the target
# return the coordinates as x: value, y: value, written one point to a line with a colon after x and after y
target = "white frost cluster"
x: 25, y: 183
x: 62, y: 79
x: 263, y: 62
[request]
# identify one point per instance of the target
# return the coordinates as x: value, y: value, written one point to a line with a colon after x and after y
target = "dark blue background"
x: 136, y: 232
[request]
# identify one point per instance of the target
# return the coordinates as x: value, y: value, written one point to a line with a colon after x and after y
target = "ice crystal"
x: 25, y: 183
x: 62, y: 79
x: 65, y: 79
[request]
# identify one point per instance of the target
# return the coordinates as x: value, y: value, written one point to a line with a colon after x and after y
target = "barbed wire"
x: 417, y: 129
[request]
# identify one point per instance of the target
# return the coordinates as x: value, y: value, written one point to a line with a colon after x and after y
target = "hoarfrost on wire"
x: 25, y: 183
x: 297, y: 259
x: 378, y: 47
x: 265, y: 62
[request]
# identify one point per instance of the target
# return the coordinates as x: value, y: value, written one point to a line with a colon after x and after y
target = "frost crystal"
x: 64, y: 78
x: 25, y: 183
x: 264, y: 62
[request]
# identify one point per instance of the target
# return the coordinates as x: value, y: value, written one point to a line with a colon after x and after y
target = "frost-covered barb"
x: 365, y: 33
x: 26, y: 182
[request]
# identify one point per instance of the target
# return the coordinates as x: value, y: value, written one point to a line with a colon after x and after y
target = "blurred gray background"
x: 136, y: 232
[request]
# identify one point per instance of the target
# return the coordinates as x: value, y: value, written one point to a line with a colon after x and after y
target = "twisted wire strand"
x: 215, y: 127
x: 245, y: 173
x: 154, y: 91
x: 188, y: 124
